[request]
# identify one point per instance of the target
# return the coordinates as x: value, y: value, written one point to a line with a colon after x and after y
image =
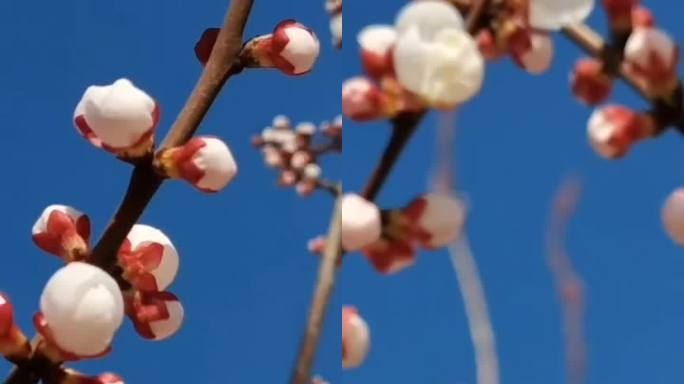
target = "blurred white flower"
x: 553, y: 15
x: 355, y: 338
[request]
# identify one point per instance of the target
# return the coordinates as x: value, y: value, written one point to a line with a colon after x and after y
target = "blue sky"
x: 516, y: 142
x: 245, y: 276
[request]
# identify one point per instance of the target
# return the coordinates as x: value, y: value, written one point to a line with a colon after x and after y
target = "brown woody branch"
x: 144, y: 182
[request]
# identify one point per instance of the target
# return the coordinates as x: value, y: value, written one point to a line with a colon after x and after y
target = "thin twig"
x: 324, y: 287
x: 144, y: 183
x: 569, y: 284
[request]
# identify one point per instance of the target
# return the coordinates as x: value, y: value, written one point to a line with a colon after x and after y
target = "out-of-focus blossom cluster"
x: 291, y: 48
x: 389, y: 238
x: 650, y: 56
x: 295, y: 150
x: 334, y: 9
x: 425, y: 60
x: 122, y: 118
x: 355, y: 338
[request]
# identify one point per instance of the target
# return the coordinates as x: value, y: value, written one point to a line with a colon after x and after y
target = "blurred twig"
x: 568, y: 283
x: 465, y: 265
x: 144, y: 183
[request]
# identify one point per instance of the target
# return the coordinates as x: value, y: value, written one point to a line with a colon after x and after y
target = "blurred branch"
x: 569, y: 284
x: 144, y: 183
x: 324, y: 287
x: 465, y: 265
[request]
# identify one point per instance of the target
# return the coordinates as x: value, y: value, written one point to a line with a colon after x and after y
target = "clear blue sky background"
x: 516, y: 142
x: 245, y: 276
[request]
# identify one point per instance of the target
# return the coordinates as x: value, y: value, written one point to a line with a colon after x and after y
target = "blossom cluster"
x: 295, y: 150
x: 650, y: 57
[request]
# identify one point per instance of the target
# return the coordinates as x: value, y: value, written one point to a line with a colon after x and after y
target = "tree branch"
x: 144, y: 182
x: 324, y: 287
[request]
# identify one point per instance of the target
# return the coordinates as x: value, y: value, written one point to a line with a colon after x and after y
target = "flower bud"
x: 673, y: 216
x: 642, y: 17
x: 336, y: 29
x: 620, y: 13
x: 537, y: 58
x: 205, y: 45
x: 486, y: 43
x: 589, y: 83
x: 292, y: 48
x: 205, y: 162
x: 63, y: 231
x: 155, y: 315
x: 355, y: 338
x: 82, y: 308
x: 376, y: 43
x: 553, y: 15
x: 652, y: 55
x: 118, y: 117
x: 13, y: 343
x: 362, y: 100
x: 312, y: 172
x: 70, y: 376
x: 300, y: 159
x: 613, y: 129
x: 305, y: 188
x: 361, y: 224
x: 148, y: 258
x: 438, y: 219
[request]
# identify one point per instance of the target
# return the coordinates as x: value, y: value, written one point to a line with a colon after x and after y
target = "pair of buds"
x: 389, y: 238
x: 122, y: 118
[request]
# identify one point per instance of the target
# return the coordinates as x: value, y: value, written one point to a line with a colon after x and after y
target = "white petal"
x: 83, y: 307
x: 377, y: 38
x: 302, y: 49
x: 554, y: 15
x: 361, y: 224
x: 443, y: 219
x: 356, y: 340
x: 41, y: 224
x: 164, y: 329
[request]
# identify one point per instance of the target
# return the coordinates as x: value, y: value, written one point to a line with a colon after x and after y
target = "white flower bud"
x: 149, y: 258
x: 355, y: 338
x: 63, y: 231
x: 537, y: 59
x: 613, y: 129
x: 361, y: 223
x: 653, y: 55
x: 376, y: 43
x: 83, y: 308
x: 312, y: 171
x: 118, y: 117
x: 295, y: 48
x: 440, y: 217
x: 156, y: 315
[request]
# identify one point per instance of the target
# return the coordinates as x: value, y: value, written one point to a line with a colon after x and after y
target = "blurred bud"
x: 205, y: 162
x: 362, y: 100
x: 316, y: 245
x: 272, y: 157
x: 653, y: 56
x: 287, y: 177
x: 155, y: 315
x: 589, y: 83
x: 148, y: 258
x: 486, y: 43
x: 62, y: 231
x: 306, y: 187
x: 539, y: 55
x: 673, y: 216
x: 119, y: 117
x: 13, y: 343
x: 642, y: 17
x: 81, y: 308
x: 292, y: 48
x: 390, y: 255
x: 553, y: 15
x: 300, y: 159
x: 438, y: 219
x: 206, y: 44
x: 361, y: 224
x: 70, y: 376
x: 336, y: 29
x: 305, y: 129
x: 355, y: 338
x: 312, y: 172
x: 376, y: 43
x: 620, y: 13
x: 613, y: 129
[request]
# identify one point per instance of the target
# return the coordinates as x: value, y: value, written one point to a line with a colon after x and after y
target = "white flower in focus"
x: 118, y: 117
x: 445, y: 70
x: 355, y: 338
x: 361, y: 223
x: 673, y: 216
x: 553, y: 15
x: 83, y: 308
